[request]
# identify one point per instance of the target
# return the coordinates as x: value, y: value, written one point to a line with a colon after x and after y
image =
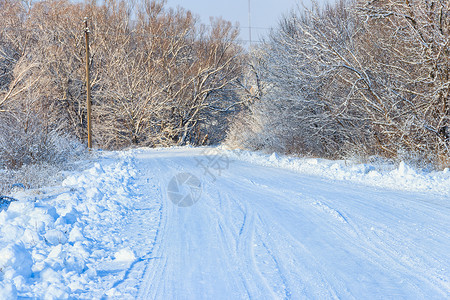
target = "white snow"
x: 401, y: 177
x: 125, y: 254
x: 51, y: 238
x: 263, y: 226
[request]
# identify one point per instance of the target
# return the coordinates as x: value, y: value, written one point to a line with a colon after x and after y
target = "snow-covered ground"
x: 208, y: 223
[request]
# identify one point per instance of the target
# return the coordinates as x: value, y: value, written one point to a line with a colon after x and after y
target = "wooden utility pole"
x: 88, y: 85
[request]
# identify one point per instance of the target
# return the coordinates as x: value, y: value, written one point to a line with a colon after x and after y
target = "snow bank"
x: 52, y: 239
x: 401, y: 177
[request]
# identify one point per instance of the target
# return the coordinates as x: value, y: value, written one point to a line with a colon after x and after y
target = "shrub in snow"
x: 33, y: 155
x: 28, y: 141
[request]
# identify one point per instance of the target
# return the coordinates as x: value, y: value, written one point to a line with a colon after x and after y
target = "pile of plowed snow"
x: 52, y: 239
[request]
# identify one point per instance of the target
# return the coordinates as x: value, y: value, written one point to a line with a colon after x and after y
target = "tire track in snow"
x: 155, y: 259
x: 253, y: 234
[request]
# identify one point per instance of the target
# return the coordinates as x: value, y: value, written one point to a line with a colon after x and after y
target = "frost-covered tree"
x: 357, y: 77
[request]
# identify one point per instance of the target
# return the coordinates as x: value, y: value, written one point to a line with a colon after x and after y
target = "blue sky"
x: 264, y: 13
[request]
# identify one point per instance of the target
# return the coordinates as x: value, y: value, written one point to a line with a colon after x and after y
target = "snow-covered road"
x: 254, y: 232
x: 259, y: 232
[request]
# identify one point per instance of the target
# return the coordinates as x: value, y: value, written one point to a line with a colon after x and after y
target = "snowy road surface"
x: 265, y: 233
x: 260, y: 233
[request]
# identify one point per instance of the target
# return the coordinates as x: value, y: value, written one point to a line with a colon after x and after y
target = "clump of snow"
x: 52, y: 239
x: 402, y: 177
x: 274, y: 157
x: 7, y: 290
x: 15, y: 260
x: 125, y: 255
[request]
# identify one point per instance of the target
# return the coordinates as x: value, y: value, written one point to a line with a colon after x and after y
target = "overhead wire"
x: 94, y: 33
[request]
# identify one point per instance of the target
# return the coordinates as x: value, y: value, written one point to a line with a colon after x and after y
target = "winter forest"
x: 351, y: 79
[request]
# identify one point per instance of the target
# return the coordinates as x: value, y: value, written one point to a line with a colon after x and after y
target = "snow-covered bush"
x: 27, y: 141
x: 33, y: 154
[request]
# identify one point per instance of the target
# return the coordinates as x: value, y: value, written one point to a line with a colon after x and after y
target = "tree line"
x: 353, y: 78
x: 158, y: 76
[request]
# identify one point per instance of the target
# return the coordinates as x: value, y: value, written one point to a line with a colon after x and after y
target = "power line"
x: 233, y: 26
x: 117, y: 34
x: 246, y: 27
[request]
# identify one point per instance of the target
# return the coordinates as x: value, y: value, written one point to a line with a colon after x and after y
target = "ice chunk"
x: 55, y: 237
x: 125, y: 254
